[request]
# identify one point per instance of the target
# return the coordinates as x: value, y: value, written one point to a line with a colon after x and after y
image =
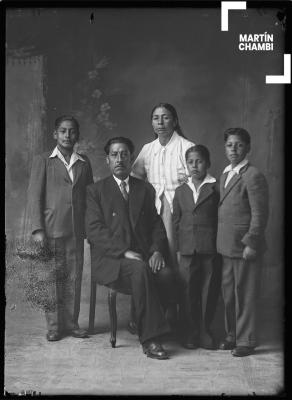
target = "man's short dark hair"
x: 119, y: 139
x: 240, y: 132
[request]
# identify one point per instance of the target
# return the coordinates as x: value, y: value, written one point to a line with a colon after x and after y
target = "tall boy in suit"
x: 242, y: 218
x: 129, y: 245
x: 56, y: 196
x: 195, y: 208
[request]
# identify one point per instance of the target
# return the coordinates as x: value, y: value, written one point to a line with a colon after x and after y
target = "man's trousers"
x: 137, y: 279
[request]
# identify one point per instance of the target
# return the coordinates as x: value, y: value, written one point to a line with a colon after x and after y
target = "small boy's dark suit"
x: 195, y: 227
x: 57, y: 206
x: 242, y: 218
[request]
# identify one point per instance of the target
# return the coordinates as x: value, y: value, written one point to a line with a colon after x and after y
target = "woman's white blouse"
x: 162, y: 166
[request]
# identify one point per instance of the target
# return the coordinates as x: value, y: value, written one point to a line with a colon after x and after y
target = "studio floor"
x: 90, y: 366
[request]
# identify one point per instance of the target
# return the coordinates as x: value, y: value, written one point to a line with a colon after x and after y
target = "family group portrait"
x: 144, y: 200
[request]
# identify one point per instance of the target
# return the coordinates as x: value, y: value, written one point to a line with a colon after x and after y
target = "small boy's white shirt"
x: 74, y: 157
x: 233, y: 171
x: 196, y: 192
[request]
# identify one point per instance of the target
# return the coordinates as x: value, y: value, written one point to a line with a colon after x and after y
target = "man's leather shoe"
x: 79, y: 333
x: 132, y: 328
x: 155, y: 350
x: 226, y: 345
x: 242, y: 351
x: 53, y: 336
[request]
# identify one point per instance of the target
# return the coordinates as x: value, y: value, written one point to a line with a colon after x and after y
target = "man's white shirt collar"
x: 120, y: 180
x: 237, y: 168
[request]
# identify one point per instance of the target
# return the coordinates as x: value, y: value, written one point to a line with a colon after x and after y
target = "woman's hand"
x: 182, y: 178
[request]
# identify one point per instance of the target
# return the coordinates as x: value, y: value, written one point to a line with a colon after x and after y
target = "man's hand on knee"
x: 133, y: 255
x: 156, y: 262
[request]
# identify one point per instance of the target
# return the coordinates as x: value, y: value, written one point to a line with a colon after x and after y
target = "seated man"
x: 129, y: 245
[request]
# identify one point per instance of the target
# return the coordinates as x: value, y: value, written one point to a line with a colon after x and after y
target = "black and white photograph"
x: 144, y: 197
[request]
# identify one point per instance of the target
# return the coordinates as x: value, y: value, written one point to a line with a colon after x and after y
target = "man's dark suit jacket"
x: 57, y: 205
x: 195, y: 224
x: 243, y: 212
x: 108, y: 230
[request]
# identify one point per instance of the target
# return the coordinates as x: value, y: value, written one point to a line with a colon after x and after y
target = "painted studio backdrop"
x: 109, y: 67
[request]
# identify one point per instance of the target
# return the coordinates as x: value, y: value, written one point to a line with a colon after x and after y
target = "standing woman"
x: 162, y: 163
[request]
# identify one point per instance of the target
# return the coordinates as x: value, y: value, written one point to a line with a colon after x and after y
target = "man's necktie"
x: 123, y: 190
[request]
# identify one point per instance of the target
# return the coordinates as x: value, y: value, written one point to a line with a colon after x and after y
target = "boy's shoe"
x: 208, y: 342
x: 227, y: 345
x: 79, y: 333
x: 242, y: 351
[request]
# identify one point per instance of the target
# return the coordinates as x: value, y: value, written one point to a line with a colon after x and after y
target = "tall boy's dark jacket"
x: 108, y: 230
x: 57, y: 205
x: 195, y: 224
x: 243, y: 212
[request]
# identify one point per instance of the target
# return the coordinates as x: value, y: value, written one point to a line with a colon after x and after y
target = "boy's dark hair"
x: 119, y: 139
x: 240, y: 132
x: 202, y: 150
x: 62, y: 118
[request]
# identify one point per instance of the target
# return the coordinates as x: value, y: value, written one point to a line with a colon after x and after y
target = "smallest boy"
x: 242, y: 218
x: 195, y: 209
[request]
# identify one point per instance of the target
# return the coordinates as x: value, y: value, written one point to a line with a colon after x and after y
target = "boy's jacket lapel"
x: 189, y: 198
x: 77, y: 171
x: 205, y: 192
x: 62, y: 170
x: 234, y: 180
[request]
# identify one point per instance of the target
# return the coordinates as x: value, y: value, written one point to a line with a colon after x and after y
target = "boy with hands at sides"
x: 242, y: 219
x: 195, y: 221
x: 56, y: 196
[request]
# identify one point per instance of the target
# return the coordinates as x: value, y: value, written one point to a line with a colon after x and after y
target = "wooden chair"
x: 112, y: 295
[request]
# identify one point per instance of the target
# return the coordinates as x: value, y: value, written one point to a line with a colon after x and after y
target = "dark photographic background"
x: 109, y: 67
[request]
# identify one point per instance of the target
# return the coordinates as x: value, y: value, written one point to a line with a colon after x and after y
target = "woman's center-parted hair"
x: 201, y: 150
x: 173, y: 112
